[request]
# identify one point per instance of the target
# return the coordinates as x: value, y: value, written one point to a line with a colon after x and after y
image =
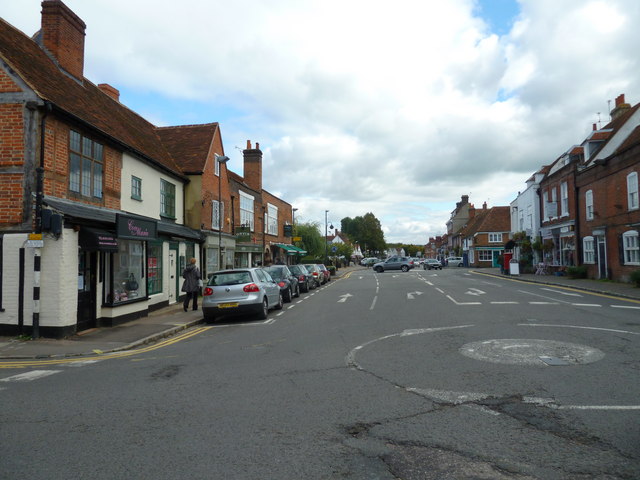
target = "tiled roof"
x: 496, y: 220
x: 632, y: 140
x: 85, y: 101
x: 189, y: 145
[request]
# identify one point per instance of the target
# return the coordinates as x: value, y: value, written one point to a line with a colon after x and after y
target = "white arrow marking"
x: 29, y: 376
x: 475, y: 291
x: 343, y: 298
x: 410, y: 296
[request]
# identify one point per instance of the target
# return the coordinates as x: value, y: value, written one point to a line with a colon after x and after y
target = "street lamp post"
x: 221, y: 160
x: 326, y: 244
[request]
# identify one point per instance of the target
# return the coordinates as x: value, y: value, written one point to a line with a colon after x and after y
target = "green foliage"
x: 635, y: 278
x: 365, y: 231
x: 577, y: 272
x: 343, y: 249
x: 312, y: 240
x: 332, y: 270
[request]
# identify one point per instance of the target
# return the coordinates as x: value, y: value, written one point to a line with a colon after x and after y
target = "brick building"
x: 607, y: 195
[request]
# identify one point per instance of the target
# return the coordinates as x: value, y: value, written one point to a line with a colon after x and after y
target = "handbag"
x: 132, y: 283
x: 200, y: 284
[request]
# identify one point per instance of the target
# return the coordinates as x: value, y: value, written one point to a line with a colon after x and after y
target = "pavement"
x: 171, y: 320
x: 157, y: 325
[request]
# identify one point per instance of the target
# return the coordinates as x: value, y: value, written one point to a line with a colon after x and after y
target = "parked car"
x: 305, y: 279
x: 246, y: 291
x: 286, y: 280
x: 315, y: 272
x: 394, y: 263
x: 325, y: 272
x: 454, y: 261
x: 432, y: 263
x: 369, y: 261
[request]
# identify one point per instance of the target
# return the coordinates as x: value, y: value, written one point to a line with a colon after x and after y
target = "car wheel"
x: 297, y: 294
x: 288, y: 296
x: 405, y: 268
x: 264, y: 311
x: 209, y: 319
x: 379, y: 269
x: 280, y: 302
x: 305, y: 288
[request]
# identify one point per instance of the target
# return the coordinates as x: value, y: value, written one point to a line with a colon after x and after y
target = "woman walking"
x: 191, y: 285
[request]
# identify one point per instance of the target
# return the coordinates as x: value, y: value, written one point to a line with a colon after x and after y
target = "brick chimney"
x: 620, y: 108
x: 253, y: 166
x: 63, y: 35
x: 109, y: 90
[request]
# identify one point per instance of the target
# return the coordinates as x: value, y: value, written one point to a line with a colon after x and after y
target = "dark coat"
x: 191, y: 275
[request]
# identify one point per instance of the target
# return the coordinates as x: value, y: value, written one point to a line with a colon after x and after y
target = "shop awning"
x: 290, y: 249
x: 95, y: 239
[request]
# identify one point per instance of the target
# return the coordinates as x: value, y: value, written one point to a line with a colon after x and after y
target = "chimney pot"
x: 595, y: 127
x: 248, y: 144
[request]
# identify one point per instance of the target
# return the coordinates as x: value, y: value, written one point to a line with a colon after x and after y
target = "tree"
x: 312, y: 240
x: 365, y: 231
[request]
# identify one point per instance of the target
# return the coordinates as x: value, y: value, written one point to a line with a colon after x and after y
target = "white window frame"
x: 485, y: 255
x: 632, y: 191
x: 217, y: 212
x: 588, y: 204
x: 247, y: 210
x: 564, y: 199
x: 271, y: 221
x: 588, y: 250
x: 631, y: 247
x: 545, y: 205
x: 495, y: 238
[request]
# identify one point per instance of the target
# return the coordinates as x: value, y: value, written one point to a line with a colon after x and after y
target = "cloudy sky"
x: 394, y: 108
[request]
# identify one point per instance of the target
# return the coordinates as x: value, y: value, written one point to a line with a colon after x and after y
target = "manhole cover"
x: 531, y: 352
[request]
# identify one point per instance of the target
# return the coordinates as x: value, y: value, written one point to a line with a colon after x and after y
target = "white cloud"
x: 364, y: 106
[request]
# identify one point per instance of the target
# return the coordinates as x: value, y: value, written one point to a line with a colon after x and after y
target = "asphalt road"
x: 418, y: 375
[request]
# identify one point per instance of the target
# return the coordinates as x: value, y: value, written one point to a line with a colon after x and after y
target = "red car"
x: 326, y: 272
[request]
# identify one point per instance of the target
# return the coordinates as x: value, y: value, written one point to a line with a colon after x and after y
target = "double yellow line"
x: 100, y: 356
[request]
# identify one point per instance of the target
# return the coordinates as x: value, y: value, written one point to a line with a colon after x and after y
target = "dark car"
x: 430, y: 263
x: 305, y: 279
x: 286, y: 280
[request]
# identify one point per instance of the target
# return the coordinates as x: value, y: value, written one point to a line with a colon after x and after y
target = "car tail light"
x: 301, y: 278
x: 281, y: 284
x: 252, y: 287
x: 315, y: 274
x: 207, y: 291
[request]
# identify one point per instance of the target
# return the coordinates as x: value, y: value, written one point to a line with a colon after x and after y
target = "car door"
x: 270, y: 287
x: 392, y: 264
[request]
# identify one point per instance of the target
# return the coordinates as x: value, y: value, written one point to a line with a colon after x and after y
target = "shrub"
x: 577, y: 272
x: 332, y: 270
x: 635, y: 278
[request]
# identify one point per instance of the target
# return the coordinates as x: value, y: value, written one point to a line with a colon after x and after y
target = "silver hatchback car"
x: 247, y: 291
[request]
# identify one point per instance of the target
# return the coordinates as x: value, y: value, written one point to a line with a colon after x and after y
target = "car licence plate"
x: 227, y: 305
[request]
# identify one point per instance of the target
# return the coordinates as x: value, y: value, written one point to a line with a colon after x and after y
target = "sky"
x: 360, y: 106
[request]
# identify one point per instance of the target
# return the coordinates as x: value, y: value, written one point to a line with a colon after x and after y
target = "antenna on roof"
x: 599, y: 121
x: 609, y: 106
x: 237, y: 148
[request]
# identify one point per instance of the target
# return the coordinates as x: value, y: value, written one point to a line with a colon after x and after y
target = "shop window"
x: 154, y: 268
x: 125, y: 279
x: 485, y: 255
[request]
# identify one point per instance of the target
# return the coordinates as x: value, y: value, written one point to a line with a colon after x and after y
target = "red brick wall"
x: 609, y: 186
x: 7, y: 84
x: 11, y: 155
x: 284, y: 216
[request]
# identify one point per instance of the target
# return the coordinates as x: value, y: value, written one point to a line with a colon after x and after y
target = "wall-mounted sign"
x: 135, y: 228
x: 288, y: 230
x: 243, y: 234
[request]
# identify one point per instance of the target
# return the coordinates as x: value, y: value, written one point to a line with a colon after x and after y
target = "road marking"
x: 428, y: 283
x: 505, y: 303
x: 586, y: 305
x: 475, y: 291
x: 463, y: 303
x: 440, y: 290
x: 543, y: 303
x: 625, y: 306
x: 562, y: 293
x: 612, y: 330
x: 410, y: 295
x: 344, y: 298
x: 29, y: 376
x: 373, y: 304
